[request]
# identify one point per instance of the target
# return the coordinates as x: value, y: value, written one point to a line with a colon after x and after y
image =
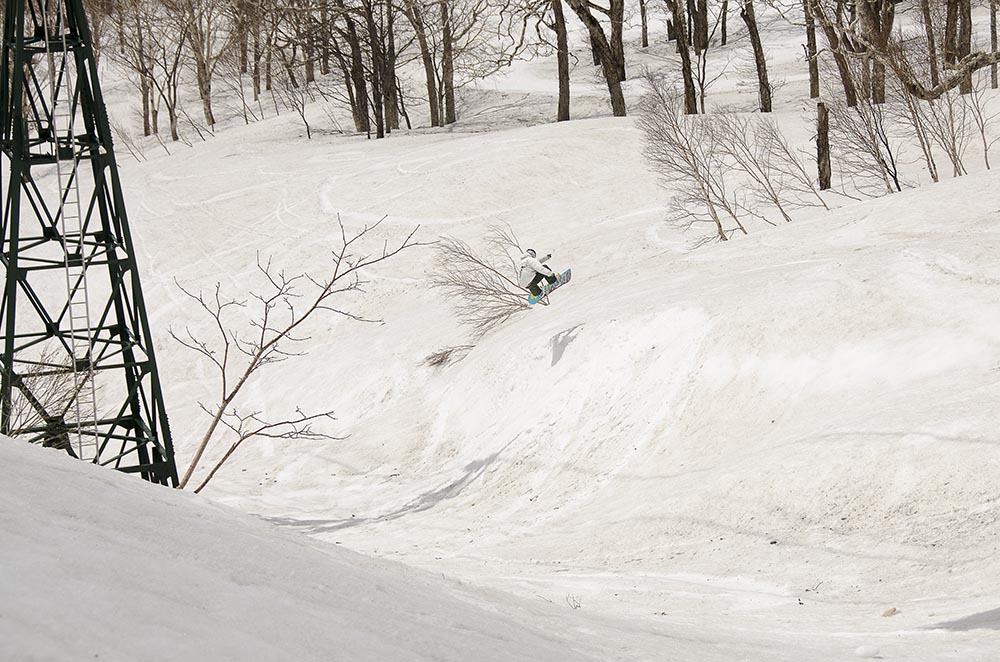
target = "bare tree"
x: 44, y: 394
x: 150, y: 46
x: 984, y: 114
x: 774, y: 173
x: 480, y: 284
x: 763, y: 86
x: 865, y: 36
x: 948, y: 125
x: 278, y: 314
x: 866, y: 147
x: 683, y: 150
x: 606, y: 49
x: 909, y: 111
x: 209, y: 33
x: 679, y: 22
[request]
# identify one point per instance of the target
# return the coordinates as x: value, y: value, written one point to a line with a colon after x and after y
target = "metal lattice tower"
x: 77, y: 354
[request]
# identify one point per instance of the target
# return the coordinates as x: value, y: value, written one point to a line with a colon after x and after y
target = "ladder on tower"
x: 62, y: 134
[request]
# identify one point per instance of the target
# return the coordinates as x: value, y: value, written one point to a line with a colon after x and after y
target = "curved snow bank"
x: 98, y: 565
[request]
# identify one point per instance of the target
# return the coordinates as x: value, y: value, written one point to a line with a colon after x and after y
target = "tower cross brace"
x: 78, y: 366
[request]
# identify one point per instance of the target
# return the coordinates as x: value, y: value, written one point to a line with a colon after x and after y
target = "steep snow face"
x: 749, y: 450
x: 98, y: 565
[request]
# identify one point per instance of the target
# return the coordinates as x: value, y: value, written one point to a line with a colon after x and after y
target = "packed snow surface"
x: 782, y: 447
x: 110, y: 568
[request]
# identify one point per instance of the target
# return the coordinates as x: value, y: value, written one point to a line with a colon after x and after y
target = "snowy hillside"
x: 123, y: 570
x: 766, y: 444
x: 780, y: 448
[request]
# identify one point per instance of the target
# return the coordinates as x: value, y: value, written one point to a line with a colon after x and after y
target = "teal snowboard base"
x: 548, y: 287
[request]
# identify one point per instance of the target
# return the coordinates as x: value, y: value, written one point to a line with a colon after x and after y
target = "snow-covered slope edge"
x: 99, y: 565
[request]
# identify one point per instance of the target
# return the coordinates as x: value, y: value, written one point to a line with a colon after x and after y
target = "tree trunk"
x: 691, y: 27
x: 878, y: 82
x: 965, y: 41
x: 412, y: 12
x: 447, y: 64
x: 309, y: 54
x: 951, y: 32
x: 204, y: 79
x: 690, y: 95
x: 389, y: 79
x: 724, y: 18
x: 763, y: 86
x: 358, y: 113
x: 361, y: 120
x: 925, y: 10
x: 359, y: 109
x: 617, y: 40
x: 174, y: 133
x: 256, y: 65
x: 823, y: 146
x: 811, y: 51
x: 144, y: 89
x: 378, y: 68
x: 243, y: 35
x: 877, y: 17
x: 325, y: 29
x: 612, y: 73
x: 701, y: 23
x: 268, y: 61
x: 846, y: 79
x: 645, y: 23
x: 562, y: 57
x: 200, y: 44
x: 993, y: 42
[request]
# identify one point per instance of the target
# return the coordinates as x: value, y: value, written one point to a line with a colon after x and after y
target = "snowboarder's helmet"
x: 531, y: 252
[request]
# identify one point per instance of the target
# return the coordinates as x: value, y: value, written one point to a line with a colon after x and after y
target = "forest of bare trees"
x: 278, y: 55
x: 885, y: 73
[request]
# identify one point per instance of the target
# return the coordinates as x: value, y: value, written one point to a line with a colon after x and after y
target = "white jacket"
x: 531, y: 266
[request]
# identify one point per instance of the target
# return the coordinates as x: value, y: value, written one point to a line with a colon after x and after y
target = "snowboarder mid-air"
x: 533, y: 271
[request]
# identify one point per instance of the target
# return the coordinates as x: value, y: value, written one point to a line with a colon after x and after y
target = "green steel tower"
x: 77, y: 354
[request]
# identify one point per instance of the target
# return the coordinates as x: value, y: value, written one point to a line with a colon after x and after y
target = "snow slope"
x: 779, y: 448
x: 111, y: 568
x: 750, y: 450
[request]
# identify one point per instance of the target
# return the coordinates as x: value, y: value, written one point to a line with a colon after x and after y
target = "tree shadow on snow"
x: 423, y: 502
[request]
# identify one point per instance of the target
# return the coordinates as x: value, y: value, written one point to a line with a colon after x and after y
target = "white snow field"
x: 783, y: 447
x: 98, y: 565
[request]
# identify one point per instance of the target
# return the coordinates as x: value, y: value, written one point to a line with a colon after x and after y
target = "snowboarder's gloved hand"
x: 546, y: 258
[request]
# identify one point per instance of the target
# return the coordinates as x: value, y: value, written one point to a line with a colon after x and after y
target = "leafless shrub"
x: 948, y: 125
x: 725, y: 168
x: 775, y: 176
x: 447, y: 355
x: 481, y: 285
x: 867, y: 144
x: 909, y: 111
x: 259, y: 330
x: 125, y: 137
x: 682, y: 149
x: 43, y: 395
x: 787, y: 162
x: 980, y: 103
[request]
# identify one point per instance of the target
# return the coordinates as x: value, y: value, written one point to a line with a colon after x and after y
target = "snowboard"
x: 548, y: 287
